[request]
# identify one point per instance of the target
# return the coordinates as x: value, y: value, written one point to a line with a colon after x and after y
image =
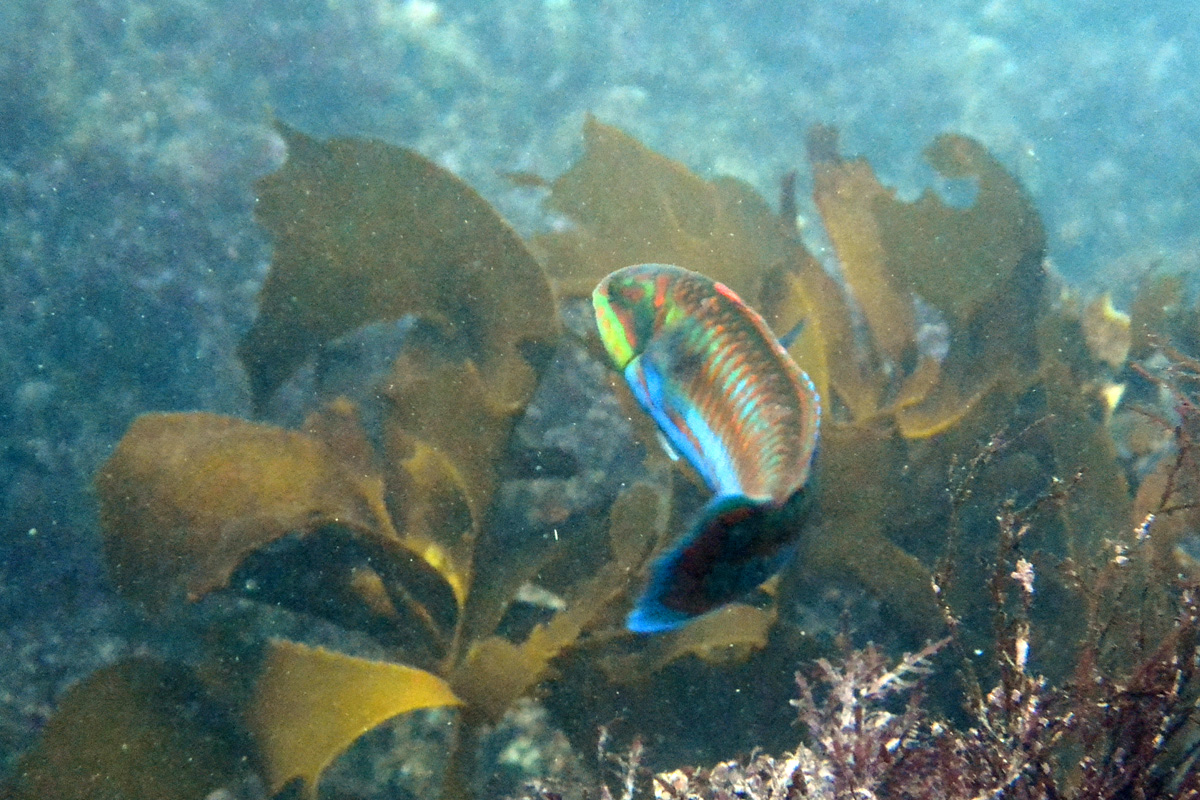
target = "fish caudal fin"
x: 735, y: 545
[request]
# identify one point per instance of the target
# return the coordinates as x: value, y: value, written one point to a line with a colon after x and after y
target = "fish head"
x: 632, y: 305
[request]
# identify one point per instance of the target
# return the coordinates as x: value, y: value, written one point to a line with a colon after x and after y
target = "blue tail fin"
x: 735, y: 544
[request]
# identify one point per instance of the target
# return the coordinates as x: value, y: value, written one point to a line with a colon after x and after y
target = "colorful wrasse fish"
x: 727, y: 397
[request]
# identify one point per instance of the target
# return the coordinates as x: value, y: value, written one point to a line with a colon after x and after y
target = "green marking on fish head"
x: 631, y: 305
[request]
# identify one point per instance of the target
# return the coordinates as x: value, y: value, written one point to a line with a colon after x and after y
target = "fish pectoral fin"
x: 665, y: 443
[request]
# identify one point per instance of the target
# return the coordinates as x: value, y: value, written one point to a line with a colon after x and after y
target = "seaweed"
x: 381, y: 531
x: 940, y: 328
x: 631, y: 205
x: 1124, y: 723
x: 975, y: 272
x: 365, y: 232
x: 140, y: 728
x: 868, y: 733
x: 956, y: 383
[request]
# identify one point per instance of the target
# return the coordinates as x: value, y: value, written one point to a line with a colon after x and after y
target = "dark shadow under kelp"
x: 386, y: 517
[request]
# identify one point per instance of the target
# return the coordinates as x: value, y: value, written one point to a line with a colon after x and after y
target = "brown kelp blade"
x: 186, y: 497
x: 137, y: 730
x: 632, y: 205
x: 960, y: 259
x: 847, y: 194
x: 926, y: 270
x: 367, y: 232
x: 496, y: 672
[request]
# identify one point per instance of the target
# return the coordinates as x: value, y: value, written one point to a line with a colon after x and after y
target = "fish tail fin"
x: 735, y: 544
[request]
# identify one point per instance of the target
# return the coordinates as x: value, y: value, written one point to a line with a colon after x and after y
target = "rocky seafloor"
x: 131, y: 134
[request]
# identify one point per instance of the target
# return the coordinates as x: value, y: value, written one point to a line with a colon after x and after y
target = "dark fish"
x: 729, y: 399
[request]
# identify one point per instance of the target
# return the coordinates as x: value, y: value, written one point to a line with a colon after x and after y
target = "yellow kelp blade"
x: 310, y: 704
x: 930, y: 402
x: 977, y: 272
x: 137, y: 730
x: 725, y: 636
x: 801, y: 299
x: 496, y: 672
x: 436, y: 518
x: 186, y: 497
x: 445, y: 437
x: 1107, y: 331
